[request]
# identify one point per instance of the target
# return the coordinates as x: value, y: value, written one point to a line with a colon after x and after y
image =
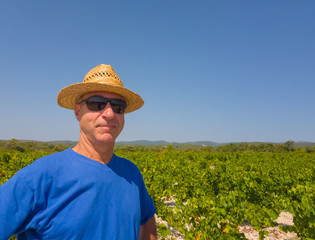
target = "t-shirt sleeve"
x: 16, y: 202
x: 146, y: 203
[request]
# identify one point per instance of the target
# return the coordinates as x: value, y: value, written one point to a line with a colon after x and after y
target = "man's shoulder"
x: 126, y: 167
x: 126, y: 162
x: 48, y: 162
x: 42, y: 170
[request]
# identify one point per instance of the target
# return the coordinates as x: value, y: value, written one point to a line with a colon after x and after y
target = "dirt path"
x: 285, y: 218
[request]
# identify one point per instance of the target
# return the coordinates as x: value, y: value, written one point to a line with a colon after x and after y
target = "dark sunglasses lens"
x: 95, y: 106
x: 118, y: 108
x: 97, y: 103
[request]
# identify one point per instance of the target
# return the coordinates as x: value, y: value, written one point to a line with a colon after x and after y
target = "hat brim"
x: 70, y: 95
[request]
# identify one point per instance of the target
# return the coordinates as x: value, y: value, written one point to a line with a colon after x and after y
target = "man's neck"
x: 102, y: 153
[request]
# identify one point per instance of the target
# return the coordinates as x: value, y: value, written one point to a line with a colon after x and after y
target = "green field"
x: 216, y: 191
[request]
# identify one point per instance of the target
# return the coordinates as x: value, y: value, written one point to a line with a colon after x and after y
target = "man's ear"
x: 77, y: 111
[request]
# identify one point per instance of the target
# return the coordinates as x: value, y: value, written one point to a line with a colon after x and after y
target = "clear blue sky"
x: 223, y: 71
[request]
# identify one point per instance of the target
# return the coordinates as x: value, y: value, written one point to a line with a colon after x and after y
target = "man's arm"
x: 148, y: 230
x: 16, y: 202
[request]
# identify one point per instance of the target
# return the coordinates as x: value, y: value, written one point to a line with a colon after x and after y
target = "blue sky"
x: 223, y: 71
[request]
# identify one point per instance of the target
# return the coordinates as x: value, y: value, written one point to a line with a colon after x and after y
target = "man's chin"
x: 106, y: 139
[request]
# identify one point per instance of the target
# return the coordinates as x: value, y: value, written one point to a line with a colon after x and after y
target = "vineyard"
x: 215, y: 192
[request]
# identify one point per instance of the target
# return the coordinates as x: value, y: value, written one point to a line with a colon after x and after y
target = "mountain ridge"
x: 165, y: 143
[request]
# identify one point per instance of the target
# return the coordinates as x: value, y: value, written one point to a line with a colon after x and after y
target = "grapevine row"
x: 215, y: 193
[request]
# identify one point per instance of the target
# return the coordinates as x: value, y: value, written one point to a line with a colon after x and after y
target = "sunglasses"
x: 98, y: 103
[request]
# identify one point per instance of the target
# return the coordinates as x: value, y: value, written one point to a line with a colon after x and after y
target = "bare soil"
x: 284, y: 219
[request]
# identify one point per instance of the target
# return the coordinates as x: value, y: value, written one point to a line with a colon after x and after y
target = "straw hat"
x: 100, y: 78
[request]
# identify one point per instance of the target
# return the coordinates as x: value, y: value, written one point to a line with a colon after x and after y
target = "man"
x: 84, y: 192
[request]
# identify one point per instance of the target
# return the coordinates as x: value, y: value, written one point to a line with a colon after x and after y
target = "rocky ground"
x: 284, y: 219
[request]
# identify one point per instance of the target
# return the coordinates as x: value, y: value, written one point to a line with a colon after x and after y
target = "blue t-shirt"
x: 69, y: 196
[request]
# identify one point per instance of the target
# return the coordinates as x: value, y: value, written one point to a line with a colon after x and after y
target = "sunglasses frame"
x: 115, y: 104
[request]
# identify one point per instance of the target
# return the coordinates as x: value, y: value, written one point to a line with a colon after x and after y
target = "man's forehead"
x: 104, y: 94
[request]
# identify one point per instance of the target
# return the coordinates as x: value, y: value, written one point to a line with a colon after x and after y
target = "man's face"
x: 98, y: 127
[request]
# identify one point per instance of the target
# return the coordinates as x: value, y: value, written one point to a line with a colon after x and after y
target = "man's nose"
x: 108, y: 111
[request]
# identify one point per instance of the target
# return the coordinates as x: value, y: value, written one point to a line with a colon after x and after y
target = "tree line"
x: 31, y: 146
x: 288, y: 146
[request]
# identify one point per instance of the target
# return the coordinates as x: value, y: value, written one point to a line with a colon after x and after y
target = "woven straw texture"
x: 101, y: 78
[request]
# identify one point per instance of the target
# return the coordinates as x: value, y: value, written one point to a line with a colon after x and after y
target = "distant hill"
x: 63, y: 142
x: 141, y: 143
x: 162, y: 142
x: 304, y: 144
x: 204, y: 143
x: 298, y: 144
